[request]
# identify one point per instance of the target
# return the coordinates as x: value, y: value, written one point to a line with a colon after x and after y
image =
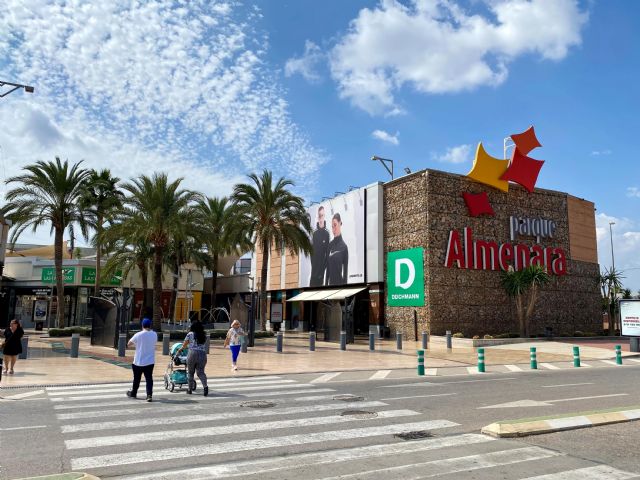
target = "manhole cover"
x: 258, y: 404
x: 414, y: 435
x: 348, y: 398
x: 359, y: 414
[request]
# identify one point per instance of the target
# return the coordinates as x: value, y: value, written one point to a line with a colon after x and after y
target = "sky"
x: 212, y: 90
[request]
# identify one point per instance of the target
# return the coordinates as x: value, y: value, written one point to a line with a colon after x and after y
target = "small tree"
x: 610, y: 282
x: 524, y: 286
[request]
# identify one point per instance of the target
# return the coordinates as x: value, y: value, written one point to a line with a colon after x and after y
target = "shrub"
x: 565, y: 334
x: 502, y: 335
x: 458, y: 335
x: 476, y: 337
x: 590, y: 334
x: 488, y: 337
x: 578, y: 333
x: 68, y: 331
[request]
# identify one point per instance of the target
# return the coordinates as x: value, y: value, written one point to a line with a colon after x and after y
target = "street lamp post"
x: 613, y: 263
x: 16, y: 86
x: 385, y: 163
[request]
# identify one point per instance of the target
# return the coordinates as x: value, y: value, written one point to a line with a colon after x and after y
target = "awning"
x: 317, y: 295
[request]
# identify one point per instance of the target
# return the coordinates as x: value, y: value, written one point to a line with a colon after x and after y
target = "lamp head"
x: 28, y: 89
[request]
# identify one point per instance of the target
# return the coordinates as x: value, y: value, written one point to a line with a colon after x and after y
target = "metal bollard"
x: 398, y: 340
x: 372, y: 341
x: 534, y: 359
x: 420, y: 362
x: 75, y: 345
x: 279, y: 341
x: 166, y: 340
x: 449, y: 346
x: 425, y: 341
x: 25, y: 348
x: 634, y: 344
x: 122, y: 344
x: 576, y: 356
x: 481, y: 360
x: 312, y: 341
x: 244, y: 343
x: 618, y: 355
x: 343, y: 340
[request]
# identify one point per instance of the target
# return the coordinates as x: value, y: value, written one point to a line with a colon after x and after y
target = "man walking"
x: 144, y: 358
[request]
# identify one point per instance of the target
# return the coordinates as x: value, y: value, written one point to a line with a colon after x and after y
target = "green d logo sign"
x: 405, y: 278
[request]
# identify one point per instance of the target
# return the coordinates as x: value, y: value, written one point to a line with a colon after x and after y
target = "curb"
x: 65, y: 476
x: 559, y: 423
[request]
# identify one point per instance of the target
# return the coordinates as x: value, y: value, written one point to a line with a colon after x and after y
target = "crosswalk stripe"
x: 549, y: 366
x: 473, y: 370
x: 149, y: 456
x: 19, y: 396
x: 212, y: 385
x: 637, y: 360
x: 454, y: 465
x: 326, y: 377
x: 226, y: 390
x: 513, y: 368
x: 380, y: 374
x: 229, y: 429
x: 432, y: 372
x: 305, y: 460
x: 588, y: 473
x: 143, y: 422
x: 609, y: 362
x: 197, y: 398
x: 585, y: 365
x: 159, y: 382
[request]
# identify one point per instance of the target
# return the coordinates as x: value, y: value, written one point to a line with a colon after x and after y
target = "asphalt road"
x: 307, y: 431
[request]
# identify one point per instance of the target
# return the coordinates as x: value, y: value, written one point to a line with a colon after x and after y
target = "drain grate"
x: 359, y: 414
x: 348, y: 398
x: 258, y: 404
x: 414, y: 435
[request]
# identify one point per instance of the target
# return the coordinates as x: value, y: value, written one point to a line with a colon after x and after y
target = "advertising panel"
x: 40, y: 311
x: 630, y: 317
x: 276, y: 313
x: 337, y: 238
x: 405, y: 278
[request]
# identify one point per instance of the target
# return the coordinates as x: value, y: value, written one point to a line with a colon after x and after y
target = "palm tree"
x: 223, y: 234
x: 273, y: 216
x: 610, y: 282
x: 48, y: 193
x: 524, y: 286
x: 155, y: 212
x: 101, y: 200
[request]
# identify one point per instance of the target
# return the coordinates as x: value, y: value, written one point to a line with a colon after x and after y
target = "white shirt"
x: 145, y: 342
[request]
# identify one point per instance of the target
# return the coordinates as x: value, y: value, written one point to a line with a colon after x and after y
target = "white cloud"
x: 633, y: 192
x: 597, y: 153
x: 626, y: 245
x: 435, y: 46
x: 140, y: 87
x: 307, y: 64
x: 458, y: 154
x: 386, y: 137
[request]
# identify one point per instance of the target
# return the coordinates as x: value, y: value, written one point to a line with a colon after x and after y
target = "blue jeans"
x: 235, y: 351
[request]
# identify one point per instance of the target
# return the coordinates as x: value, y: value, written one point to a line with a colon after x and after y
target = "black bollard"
x: 279, y: 341
x: 25, y: 348
x: 75, y: 345
x: 425, y: 340
x: 312, y: 341
x: 372, y: 341
x: 343, y: 340
x: 166, y: 339
x: 122, y: 344
x: 398, y: 340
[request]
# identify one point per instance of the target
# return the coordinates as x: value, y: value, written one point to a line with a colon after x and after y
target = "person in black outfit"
x: 338, y: 256
x: 12, y: 345
x: 320, y: 242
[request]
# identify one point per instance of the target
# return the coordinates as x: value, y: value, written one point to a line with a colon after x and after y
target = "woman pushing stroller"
x: 197, y: 357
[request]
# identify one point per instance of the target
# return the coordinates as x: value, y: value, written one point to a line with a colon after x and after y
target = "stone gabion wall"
x: 473, y: 301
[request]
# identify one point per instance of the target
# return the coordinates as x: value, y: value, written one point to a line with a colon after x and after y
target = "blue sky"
x: 211, y: 90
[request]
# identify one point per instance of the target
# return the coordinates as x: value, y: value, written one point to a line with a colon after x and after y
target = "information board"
x: 630, y: 317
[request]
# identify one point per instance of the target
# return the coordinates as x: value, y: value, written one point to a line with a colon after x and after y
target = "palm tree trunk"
x: 142, y: 267
x: 520, y: 310
x: 96, y: 288
x: 263, y: 284
x: 157, y: 289
x: 533, y: 295
x: 214, y: 281
x: 59, y: 277
x: 174, y: 290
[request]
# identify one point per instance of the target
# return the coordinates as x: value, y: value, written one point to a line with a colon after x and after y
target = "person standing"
x: 144, y: 359
x: 338, y: 256
x: 197, y: 356
x: 12, y: 345
x: 320, y: 244
x: 234, y: 340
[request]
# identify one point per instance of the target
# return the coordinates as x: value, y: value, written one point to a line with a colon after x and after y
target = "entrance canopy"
x: 316, y: 295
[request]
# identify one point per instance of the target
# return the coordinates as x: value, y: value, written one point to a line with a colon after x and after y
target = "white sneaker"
x: 235, y: 367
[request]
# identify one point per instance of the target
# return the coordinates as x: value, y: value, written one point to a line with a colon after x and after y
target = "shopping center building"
x: 431, y: 246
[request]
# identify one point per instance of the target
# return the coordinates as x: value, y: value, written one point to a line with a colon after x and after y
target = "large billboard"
x: 338, y: 230
x: 630, y: 317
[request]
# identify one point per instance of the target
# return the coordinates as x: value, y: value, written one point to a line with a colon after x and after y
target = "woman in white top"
x: 234, y: 340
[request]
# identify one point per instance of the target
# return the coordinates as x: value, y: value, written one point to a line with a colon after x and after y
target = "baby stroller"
x: 176, y: 373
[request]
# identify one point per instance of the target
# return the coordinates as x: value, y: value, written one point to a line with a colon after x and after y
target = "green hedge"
x: 66, y: 332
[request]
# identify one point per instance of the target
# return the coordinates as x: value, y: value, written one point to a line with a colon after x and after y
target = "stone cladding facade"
x: 421, y: 209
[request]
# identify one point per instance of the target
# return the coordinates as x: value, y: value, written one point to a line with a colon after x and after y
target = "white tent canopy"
x: 317, y: 295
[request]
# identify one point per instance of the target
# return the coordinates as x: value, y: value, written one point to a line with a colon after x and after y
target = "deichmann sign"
x: 468, y: 253
x: 49, y: 275
x: 405, y: 278
x: 89, y: 277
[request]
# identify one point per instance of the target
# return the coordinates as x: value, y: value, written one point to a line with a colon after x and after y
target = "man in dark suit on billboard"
x: 338, y: 256
x: 320, y: 243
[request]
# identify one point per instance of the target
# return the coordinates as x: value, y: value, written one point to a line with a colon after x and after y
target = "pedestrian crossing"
x: 299, y: 430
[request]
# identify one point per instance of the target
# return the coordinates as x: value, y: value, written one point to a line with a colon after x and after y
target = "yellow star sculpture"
x: 488, y: 170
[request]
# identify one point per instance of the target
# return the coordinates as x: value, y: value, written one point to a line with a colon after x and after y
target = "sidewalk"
x: 49, y: 362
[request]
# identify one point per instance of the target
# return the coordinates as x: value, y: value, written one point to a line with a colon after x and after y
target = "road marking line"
x: 637, y: 360
x: 190, y: 418
x: 585, y: 365
x: 159, y: 382
x: 549, y: 366
x: 432, y: 372
x: 380, y: 374
x: 475, y: 381
x: 8, y: 429
x: 611, y: 362
x: 587, y: 398
x: 513, y: 368
x: 567, y: 385
x: 19, y: 396
x: 229, y: 429
x: 326, y: 377
x: 473, y: 370
x: 306, y: 460
x: 588, y: 473
x: 436, y: 468
x: 155, y: 455
x: 419, y: 396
